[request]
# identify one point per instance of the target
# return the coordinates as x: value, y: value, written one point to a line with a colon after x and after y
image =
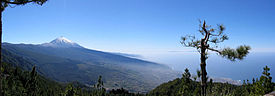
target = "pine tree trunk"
x: 1, y: 52
x: 203, y: 69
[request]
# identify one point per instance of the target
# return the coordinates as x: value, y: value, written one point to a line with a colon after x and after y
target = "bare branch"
x: 215, y: 34
x: 212, y: 49
x: 207, y: 37
x: 23, y: 2
x: 205, y: 30
x: 190, y: 41
x: 17, y: 2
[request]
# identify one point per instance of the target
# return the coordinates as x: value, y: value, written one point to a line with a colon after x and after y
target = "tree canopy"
x: 211, y: 39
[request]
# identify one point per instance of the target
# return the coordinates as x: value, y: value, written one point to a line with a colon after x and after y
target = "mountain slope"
x: 73, y: 63
x: 15, y: 60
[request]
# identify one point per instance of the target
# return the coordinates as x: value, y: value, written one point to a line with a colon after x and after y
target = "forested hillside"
x: 186, y: 86
x: 18, y: 82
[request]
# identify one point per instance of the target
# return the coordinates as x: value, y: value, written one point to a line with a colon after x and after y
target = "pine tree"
x: 100, y: 87
x: 31, y: 85
x: 186, y: 76
x: 70, y: 90
x: 211, y: 38
x: 185, y: 89
x: 100, y: 83
x: 210, y: 85
x: 267, y: 80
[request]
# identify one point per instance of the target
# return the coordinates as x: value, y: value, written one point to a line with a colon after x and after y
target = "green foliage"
x: 179, y: 87
x: 233, y: 54
x: 100, y: 90
x: 31, y: 85
x: 186, y: 76
x: 266, y: 80
x: 188, y: 85
x: 184, y: 87
x: 17, y: 82
x: 171, y: 88
x: 100, y: 84
x: 70, y: 90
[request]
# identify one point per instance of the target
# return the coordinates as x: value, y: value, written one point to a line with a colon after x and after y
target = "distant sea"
x: 218, y: 67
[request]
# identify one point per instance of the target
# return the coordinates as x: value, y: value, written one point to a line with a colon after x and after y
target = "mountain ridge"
x: 66, y: 64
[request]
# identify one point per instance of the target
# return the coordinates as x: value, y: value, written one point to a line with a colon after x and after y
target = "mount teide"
x: 66, y: 61
x: 62, y: 42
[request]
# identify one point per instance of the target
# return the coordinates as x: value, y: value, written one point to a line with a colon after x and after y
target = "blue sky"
x: 140, y: 26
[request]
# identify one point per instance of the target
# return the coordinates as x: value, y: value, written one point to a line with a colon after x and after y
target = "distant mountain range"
x: 66, y: 61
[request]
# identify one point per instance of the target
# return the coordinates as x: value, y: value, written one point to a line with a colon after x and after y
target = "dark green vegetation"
x: 68, y: 64
x: 17, y: 82
x: 185, y: 86
x: 211, y: 37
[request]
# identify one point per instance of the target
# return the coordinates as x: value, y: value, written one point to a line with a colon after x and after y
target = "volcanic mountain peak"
x: 62, y: 42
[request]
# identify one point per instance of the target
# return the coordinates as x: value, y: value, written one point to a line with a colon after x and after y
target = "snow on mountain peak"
x: 61, y: 42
